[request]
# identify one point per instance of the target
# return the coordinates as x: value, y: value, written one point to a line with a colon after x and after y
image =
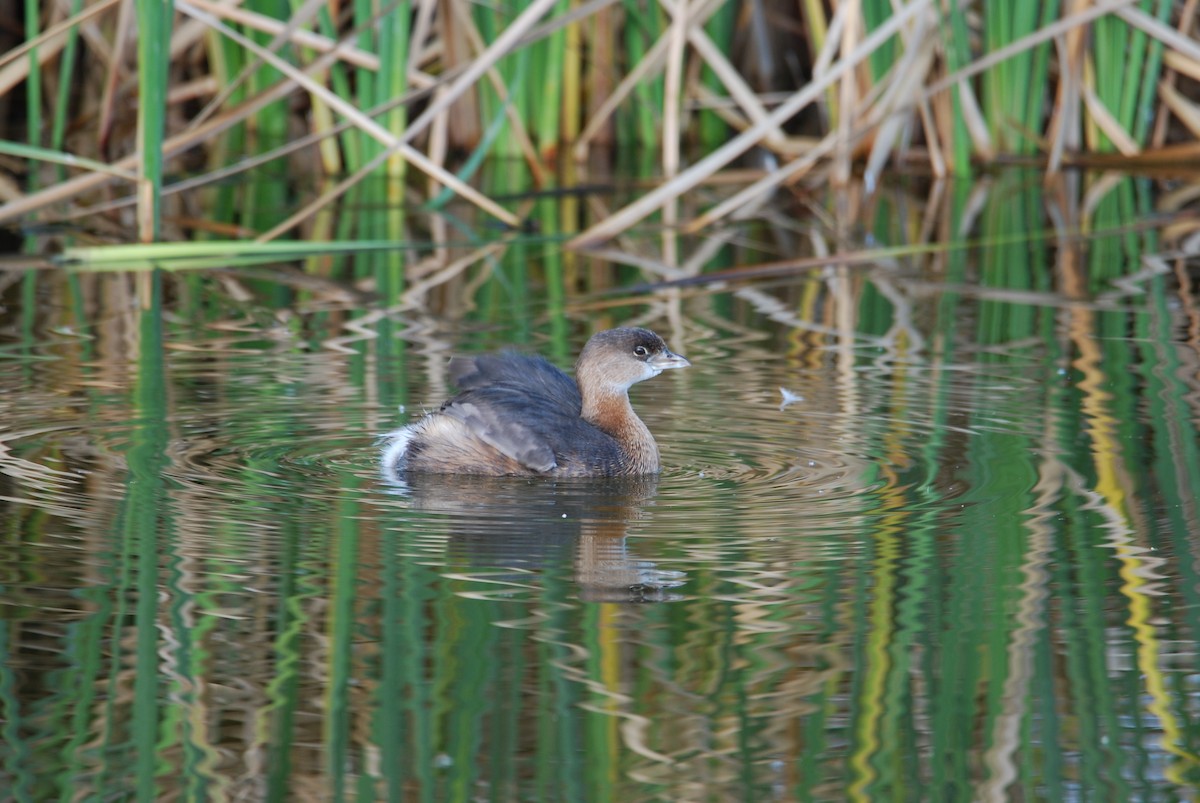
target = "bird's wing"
x: 492, y: 425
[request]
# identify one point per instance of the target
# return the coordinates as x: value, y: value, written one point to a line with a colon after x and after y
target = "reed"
x: 154, y: 23
x: 948, y: 89
x: 951, y: 621
x: 33, y: 89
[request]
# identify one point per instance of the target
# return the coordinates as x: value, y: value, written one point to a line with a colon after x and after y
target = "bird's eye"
x: 641, y: 351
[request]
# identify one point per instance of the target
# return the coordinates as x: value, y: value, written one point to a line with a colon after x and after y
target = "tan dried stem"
x: 710, y: 164
x: 516, y: 124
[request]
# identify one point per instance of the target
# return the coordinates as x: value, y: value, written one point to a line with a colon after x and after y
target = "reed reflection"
x: 537, y: 525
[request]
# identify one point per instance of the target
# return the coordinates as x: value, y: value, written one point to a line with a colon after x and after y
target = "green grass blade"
x: 33, y: 85
x: 109, y: 257
x: 154, y: 30
x: 62, y: 100
x: 56, y: 156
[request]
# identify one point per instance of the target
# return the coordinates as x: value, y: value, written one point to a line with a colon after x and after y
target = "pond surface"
x: 927, y: 530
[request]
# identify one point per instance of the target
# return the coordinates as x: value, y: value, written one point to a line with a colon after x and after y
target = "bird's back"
x: 529, y: 410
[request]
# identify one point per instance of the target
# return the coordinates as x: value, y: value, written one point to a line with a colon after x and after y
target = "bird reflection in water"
x: 535, y: 525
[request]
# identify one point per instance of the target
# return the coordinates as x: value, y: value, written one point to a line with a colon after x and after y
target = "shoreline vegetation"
x: 756, y: 95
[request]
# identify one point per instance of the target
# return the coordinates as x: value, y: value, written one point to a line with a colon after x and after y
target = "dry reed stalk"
x: 1187, y: 112
x: 516, y: 125
x: 464, y: 127
x: 739, y: 90
x: 361, y: 121
x: 125, y: 25
x: 1187, y: 19
x: 572, y: 85
x: 412, y: 297
x: 175, y: 145
x: 740, y: 144
x: 172, y: 147
x: 903, y: 83
x: 291, y: 31
x: 647, y: 67
x: 319, y: 137
x: 1163, y: 33
x: 1103, y: 119
x: 518, y: 28
x: 280, y: 37
x: 46, y: 40
x: 673, y: 86
x: 439, y: 143
x: 1063, y: 125
x: 937, y: 160
x: 760, y: 189
x: 601, y: 68
x: 847, y: 92
x: 874, y: 113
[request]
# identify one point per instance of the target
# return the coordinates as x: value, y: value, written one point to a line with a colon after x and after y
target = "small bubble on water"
x: 442, y: 760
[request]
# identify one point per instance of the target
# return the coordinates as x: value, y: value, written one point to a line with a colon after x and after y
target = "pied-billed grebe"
x: 519, y: 415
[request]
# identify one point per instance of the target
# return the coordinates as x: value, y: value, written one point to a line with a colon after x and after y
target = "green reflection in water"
x: 962, y: 567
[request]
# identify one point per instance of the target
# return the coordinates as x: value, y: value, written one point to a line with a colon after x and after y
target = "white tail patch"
x: 395, y: 444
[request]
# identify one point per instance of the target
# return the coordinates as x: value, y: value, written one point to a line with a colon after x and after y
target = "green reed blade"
x: 495, y: 104
x: 55, y: 156
x: 343, y: 593
x: 33, y: 84
x: 154, y: 28
x: 712, y: 130
x: 1036, y: 98
x: 266, y: 198
x: 364, y: 79
x: 1109, y: 57
x: 956, y: 41
x: 1175, y: 447
x: 393, y: 83
x: 62, y: 111
x: 1015, y: 90
x: 550, y: 104
x: 108, y: 257
x: 393, y: 74
x: 17, y: 764
x: 388, y: 726
x: 1127, y: 63
x: 146, y: 505
x: 340, y: 82
x: 490, y: 135
x: 225, y: 61
x: 474, y: 633
x: 1143, y: 111
x: 875, y: 13
x: 1134, y: 64
x: 642, y: 27
x: 521, y: 94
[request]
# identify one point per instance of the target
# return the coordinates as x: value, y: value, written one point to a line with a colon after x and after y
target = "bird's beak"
x: 668, y: 359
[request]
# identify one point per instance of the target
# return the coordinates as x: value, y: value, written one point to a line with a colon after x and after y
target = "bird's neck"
x: 611, y: 411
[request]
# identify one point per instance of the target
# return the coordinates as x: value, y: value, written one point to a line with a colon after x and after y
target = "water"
x: 919, y: 536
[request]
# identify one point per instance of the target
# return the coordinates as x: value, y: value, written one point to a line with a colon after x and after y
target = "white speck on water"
x: 789, y: 397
